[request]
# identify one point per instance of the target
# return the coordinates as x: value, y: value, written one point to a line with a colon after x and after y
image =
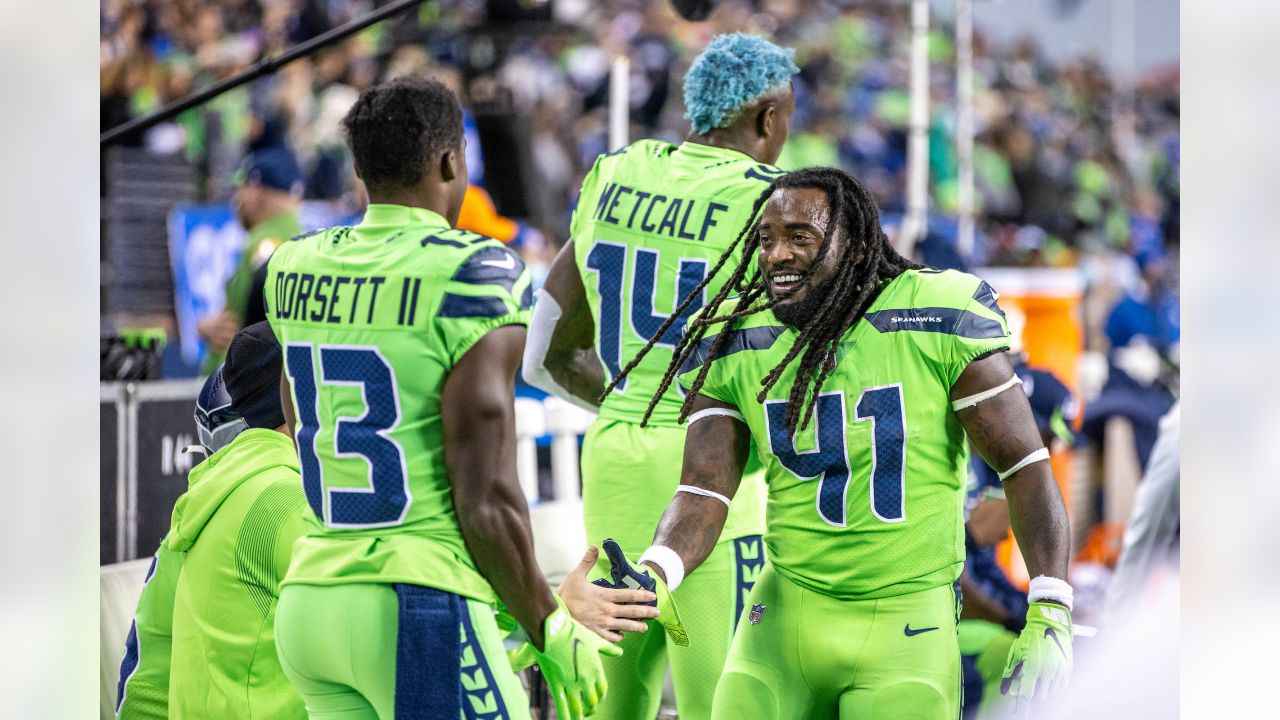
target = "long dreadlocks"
x: 867, y: 263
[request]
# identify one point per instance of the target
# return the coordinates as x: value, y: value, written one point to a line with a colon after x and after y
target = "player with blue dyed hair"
x: 733, y: 74
x: 652, y: 220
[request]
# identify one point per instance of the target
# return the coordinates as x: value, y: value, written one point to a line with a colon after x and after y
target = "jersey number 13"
x: 386, y: 499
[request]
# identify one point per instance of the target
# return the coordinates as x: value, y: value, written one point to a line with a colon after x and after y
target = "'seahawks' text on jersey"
x: 867, y: 502
x: 651, y: 221
x: 372, y: 318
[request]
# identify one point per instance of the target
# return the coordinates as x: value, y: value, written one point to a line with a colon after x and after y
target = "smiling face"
x: 794, y: 226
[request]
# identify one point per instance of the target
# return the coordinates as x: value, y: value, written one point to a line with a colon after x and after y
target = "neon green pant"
x: 799, y: 654
x: 629, y: 474
x: 710, y: 599
x: 986, y: 645
x: 338, y: 646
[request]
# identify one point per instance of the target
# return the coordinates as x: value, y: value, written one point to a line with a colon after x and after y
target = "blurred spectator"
x: 1069, y: 172
x: 266, y: 203
x: 1151, y: 540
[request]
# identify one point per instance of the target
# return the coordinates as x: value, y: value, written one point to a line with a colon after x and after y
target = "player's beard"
x: 798, y: 313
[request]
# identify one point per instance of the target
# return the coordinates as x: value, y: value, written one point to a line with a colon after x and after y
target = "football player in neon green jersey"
x: 651, y: 221
x: 203, y: 643
x: 402, y: 337
x: 857, y: 374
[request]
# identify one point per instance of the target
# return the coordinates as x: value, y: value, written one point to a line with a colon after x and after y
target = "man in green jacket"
x: 217, y: 573
x: 268, y: 193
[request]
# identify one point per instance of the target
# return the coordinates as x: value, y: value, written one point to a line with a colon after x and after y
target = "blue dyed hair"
x: 732, y: 71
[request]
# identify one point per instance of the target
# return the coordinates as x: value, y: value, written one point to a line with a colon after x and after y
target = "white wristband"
x: 667, y: 559
x: 1050, y: 588
x: 712, y: 412
x: 693, y: 490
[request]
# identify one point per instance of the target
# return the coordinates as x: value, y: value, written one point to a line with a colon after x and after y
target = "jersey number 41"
x: 829, y: 461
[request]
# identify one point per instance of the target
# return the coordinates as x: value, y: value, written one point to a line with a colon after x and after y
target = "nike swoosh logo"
x: 1006, y: 683
x: 1053, y: 635
x: 576, y: 643
x: 507, y: 263
x: 909, y: 632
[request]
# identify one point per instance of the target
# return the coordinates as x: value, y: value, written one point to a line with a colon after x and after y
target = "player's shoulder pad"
x: 763, y: 172
x: 951, y: 287
x: 638, y: 150
x: 311, y: 233
x: 758, y: 331
x: 490, y: 263
x: 941, y: 301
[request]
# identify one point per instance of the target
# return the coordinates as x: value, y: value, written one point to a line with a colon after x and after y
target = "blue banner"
x: 205, y: 242
x: 204, y: 246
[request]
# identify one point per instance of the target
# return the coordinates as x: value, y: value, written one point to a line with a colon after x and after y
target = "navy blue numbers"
x: 609, y: 261
x: 829, y: 462
x: 386, y: 499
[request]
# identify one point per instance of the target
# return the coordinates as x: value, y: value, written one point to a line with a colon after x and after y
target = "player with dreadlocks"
x: 651, y: 220
x: 847, y: 364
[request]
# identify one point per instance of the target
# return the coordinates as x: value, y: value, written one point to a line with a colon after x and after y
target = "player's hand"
x: 622, y: 574
x: 607, y: 611
x: 570, y: 663
x: 1040, y: 659
x: 218, y: 329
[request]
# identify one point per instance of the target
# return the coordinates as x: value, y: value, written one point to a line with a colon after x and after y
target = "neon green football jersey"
x: 867, y: 501
x: 651, y: 222
x: 372, y: 318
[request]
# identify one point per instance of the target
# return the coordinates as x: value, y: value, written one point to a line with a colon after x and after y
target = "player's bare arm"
x: 1003, y: 430
x: 479, y: 451
x: 715, y: 452
x: 560, y: 356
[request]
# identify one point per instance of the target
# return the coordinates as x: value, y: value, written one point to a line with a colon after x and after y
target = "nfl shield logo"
x: 757, y: 612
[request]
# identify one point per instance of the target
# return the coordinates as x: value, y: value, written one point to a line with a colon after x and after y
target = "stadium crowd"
x: 1070, y: 170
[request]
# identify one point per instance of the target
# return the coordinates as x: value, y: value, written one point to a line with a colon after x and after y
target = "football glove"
x: 570, y: 663
x: 1040, y: 660
x: 622, y: 574
x: 519, y: 651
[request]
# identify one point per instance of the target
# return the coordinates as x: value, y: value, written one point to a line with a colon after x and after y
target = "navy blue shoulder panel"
x: 986, y: 296
x: 307, y: 234
x: 938, y: 320
x: 755, y: 338
x: 491, y: 266
x: 472, y: 306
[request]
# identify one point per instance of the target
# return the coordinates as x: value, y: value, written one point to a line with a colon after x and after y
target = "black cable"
x: 264, y: 66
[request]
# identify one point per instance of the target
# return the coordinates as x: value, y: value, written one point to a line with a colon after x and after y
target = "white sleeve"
x: 546, y: 313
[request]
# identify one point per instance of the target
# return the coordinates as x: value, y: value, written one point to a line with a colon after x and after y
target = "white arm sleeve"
x: 546, y: 313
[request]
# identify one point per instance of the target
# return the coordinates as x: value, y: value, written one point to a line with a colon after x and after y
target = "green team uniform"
x: 372, y: 319
x: 651, y: 221
x: 203, y: 643
x: 865, y: 512
x: 263, y: 239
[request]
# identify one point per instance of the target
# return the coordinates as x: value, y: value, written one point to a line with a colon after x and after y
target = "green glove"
x: 1040, y: 659
x: 668, y: 614
x: 570, y: 663
x: 622, y: 574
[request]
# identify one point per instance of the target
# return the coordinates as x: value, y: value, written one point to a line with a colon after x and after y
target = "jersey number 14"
x: 609, y: 261
x: 829, y: 461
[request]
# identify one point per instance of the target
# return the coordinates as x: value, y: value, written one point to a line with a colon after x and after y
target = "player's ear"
x: 766, y: 119
x: 450, y: 165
